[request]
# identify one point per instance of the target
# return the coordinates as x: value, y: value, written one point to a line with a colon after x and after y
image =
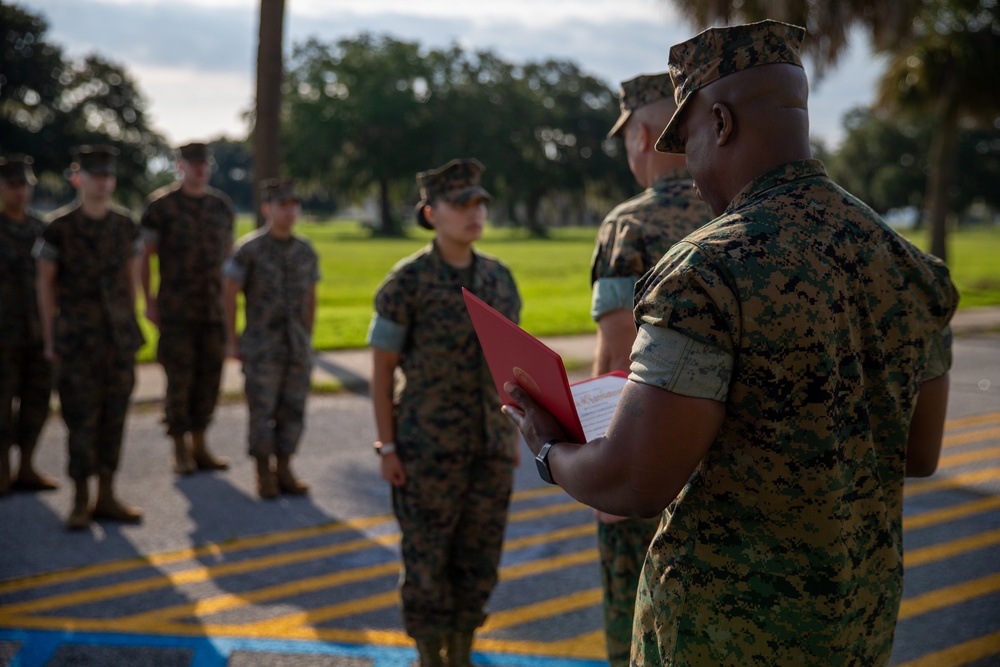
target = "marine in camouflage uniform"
x: 190, y: 227
x: 455, y: 448
x: 277, y: 272
x: 25, y: 373
x: 86, y: 267
x: 631, y: 240
x: 798, y: 339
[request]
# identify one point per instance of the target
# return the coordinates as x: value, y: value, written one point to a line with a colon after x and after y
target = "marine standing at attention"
x: 445, y: 447
x: 25, y: 373
x: 631, y: 240
x: 277, y: 272
x: 189, y: 227
x: 88, y: 267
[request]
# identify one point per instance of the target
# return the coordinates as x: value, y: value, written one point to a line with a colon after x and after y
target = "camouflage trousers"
x: 276, y: 389
x: 192, y: 354
x: 94, y: 390
x: 623, y: 546
x: 452, y: 513
x: 25, y: 376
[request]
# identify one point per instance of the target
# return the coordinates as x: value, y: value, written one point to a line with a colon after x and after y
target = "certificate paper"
x: 515, y: 355
x: 596, y: 400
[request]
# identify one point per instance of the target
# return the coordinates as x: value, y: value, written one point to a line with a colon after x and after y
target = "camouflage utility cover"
x: 192, y: 235
x: 719, y: 52
x: 636, y: 234
x: 638, y: 92
x: 785, y: 547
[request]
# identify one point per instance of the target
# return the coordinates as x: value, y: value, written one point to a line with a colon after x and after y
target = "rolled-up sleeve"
x: 670, y: 360
x: 385, y: 334
x: 612, y: 294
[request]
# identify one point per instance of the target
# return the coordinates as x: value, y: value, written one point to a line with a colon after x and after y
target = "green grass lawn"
x: 553, y: 275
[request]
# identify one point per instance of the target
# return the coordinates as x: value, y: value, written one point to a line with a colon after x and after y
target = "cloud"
x: 215, y: 41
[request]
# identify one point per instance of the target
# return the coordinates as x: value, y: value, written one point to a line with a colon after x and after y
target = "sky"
x: 195, y: 61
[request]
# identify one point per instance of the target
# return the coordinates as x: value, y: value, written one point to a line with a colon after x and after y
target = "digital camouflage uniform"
x: 276, y: 277
x: 455, y: 444
x: 630, y: 241
x: 96, y: 333
x: 815, y: 324
x: 25, y: 374
x: 192, y: 236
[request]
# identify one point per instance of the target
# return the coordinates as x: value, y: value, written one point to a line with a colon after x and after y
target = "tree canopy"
x: 943, y: 56
x: 373, y: 111
x: 49, y: 104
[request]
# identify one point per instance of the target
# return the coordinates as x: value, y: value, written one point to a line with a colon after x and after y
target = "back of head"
x: 742, y: 92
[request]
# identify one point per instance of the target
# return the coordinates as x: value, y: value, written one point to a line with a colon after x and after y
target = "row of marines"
x: 68, y: 313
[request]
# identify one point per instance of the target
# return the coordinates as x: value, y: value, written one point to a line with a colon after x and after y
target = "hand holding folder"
x: 515, y: 355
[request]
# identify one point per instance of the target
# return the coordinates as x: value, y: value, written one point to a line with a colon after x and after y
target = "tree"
x: 943, y: 57
x: 267, y: 114
x: 948, y: 70
x: 358, y: 117
x: 49, y: 105
x: 234, y: 171
x: 371, y: 112
x: 882, y: 159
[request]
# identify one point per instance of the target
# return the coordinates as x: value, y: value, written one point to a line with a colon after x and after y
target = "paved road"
x: 216, y: 577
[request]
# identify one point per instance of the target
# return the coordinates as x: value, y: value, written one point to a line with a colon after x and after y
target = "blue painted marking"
x: 38, y: 646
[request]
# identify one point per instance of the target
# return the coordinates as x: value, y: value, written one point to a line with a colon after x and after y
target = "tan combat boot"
x: 183, y: 463
x: 459, y: 649
x: 29, y: 479
x: 286, y: 480
x: 429, y: 651
x: 202, y: 457
x: 110, y: 508
x: 79, y: 517
x: 267, y: 484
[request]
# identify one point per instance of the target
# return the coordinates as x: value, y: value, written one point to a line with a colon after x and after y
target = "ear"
x: 429, y: 215
x: 722, y: 118
x: 644, y: 139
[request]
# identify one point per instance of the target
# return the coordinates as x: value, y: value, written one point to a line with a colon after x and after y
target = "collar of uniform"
x: 786, y: 173
x: 444, y: 268
x: 679, y: 174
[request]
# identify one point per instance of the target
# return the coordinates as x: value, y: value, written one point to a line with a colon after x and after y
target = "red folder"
x: 514, y: 354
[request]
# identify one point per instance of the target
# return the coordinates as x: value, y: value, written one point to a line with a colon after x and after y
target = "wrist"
x: 385, y: 448
x: 542, y: 460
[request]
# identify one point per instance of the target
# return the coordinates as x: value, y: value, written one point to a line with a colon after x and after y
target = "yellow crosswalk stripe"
x: 960, y: 654
x: 951, y: 513
x: 912, y: 488
x: 949, y: 596
x: 936, y: 552
x: 972, y: 420
x: 971, y: 436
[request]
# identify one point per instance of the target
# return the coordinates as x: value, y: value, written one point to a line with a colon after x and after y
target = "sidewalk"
x: 351, y: 369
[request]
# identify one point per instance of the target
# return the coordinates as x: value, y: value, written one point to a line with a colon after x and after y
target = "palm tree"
x: 943, y: 57
x: 267, y: 116
x: 949, y: 73
x: 829, y: 23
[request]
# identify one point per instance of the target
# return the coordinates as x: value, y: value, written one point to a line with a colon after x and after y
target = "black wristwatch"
x: 542, y: 461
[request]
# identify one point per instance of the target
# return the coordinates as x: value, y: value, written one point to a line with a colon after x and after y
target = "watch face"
x: 542, y: 463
